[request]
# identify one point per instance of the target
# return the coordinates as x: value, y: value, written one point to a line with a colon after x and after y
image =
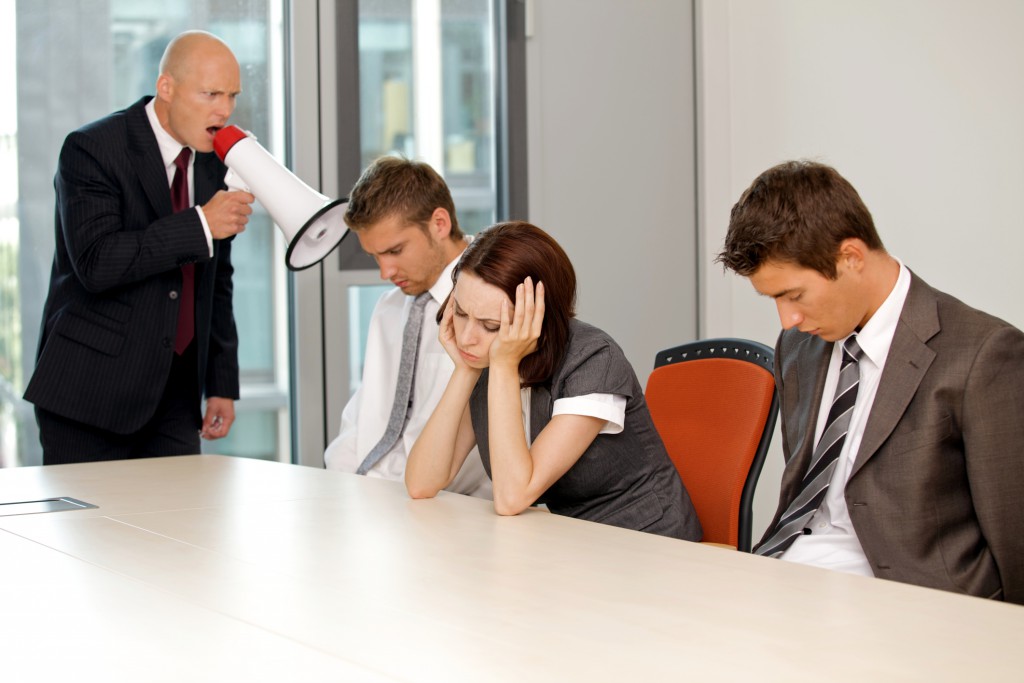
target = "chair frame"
x: 752, y: 352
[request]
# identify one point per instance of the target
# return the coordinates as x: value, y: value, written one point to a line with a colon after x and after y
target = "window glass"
x: 426, y: 89
x: 427, y: 92
x: 71, y: 63
x: 361, y: 302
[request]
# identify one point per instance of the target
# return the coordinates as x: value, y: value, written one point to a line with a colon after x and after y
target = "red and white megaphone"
x: 312, y: 223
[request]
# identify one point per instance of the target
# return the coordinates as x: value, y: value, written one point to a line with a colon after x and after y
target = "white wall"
x: 919, y: 103
x: 610, y: 99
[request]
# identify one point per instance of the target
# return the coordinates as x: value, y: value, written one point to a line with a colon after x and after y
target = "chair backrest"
x: 713, y: 403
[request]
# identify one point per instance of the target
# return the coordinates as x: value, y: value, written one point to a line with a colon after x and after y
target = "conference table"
x: 214, y: 568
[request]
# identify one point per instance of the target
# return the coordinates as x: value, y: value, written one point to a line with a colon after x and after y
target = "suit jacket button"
x: 173, y: 295
x: 165, y: 342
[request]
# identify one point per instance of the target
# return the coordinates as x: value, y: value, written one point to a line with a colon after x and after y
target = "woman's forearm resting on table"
x: 445, y: 441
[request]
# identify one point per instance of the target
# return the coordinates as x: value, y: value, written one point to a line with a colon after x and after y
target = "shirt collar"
x: 169, y: 147
x: 875, y: 337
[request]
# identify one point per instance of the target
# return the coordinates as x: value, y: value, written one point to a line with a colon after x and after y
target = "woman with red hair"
x: 552, y: 403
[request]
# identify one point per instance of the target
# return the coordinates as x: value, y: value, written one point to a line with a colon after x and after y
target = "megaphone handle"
x: 234, y: 182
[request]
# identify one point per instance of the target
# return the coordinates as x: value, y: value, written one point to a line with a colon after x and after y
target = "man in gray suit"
x: 138, y: 324
x: 902, y: 407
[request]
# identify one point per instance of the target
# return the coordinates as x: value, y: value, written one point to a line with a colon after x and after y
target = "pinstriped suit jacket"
x: 111, y: 313
x: 936, y: 488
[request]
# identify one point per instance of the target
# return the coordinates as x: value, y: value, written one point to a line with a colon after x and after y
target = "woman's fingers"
x: 523, y: 316
x: 446, y: 330
x: 505, y: 317
x: 538, y: 312
x: 520, y: 310
x: 525, y: 320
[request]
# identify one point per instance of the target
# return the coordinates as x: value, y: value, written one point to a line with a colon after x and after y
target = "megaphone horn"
x: 312, y: 224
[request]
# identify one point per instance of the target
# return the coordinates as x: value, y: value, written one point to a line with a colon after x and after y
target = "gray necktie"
x: 403, y: 392
x: 823, y: 461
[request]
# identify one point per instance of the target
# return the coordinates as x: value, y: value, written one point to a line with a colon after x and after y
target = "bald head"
x: 189, y: 47
x: 196, y: 90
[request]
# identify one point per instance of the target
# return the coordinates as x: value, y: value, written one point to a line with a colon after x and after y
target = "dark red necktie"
x: 187, y: 307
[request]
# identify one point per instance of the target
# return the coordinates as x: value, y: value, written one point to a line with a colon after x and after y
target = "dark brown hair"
x: 503, y: 255
x: 797, y: 212
x: 393, y: 185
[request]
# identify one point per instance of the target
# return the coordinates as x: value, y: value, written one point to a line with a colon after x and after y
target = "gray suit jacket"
x: 937, y: 488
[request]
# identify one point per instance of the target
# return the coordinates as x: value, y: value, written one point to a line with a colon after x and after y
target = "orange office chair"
x: 714, y: 405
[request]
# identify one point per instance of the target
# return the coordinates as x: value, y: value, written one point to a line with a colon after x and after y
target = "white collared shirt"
x: 365, y: 417
x: 833, y: 542
x: 169, y: 151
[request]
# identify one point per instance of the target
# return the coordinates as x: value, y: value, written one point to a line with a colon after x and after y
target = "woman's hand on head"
x: 520, y: 325
x: 446, y: 334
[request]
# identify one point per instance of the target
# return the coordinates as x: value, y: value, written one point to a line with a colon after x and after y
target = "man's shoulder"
x: 955, y: 318
x: 116, y: 120
x: 952, y: 306
x: 99, y: 136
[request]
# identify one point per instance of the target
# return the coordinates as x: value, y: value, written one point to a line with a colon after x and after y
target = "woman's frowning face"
x: 476, y: 318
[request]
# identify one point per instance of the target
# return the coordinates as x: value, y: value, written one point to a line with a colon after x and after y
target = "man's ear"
x: 440, y: 224
x: 852, y: 253
x: 164, y: 87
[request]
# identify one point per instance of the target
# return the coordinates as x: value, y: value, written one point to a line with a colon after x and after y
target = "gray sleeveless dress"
x: 625, y: 479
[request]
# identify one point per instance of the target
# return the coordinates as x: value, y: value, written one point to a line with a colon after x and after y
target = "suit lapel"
x: 808, y: 376
x: 149, y: 165
x: 908, y: 361
x: 145, y: 155
x: 205, y: 177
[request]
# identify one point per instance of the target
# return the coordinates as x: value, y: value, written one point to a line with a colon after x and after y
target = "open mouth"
x: 213, y: 130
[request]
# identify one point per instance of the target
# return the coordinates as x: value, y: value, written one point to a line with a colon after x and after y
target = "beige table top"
x: 213, y: 568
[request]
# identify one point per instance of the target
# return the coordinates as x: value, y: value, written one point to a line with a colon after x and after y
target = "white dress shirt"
x: 169, y: 151
x: 365, y: 417
x: 833, y: 542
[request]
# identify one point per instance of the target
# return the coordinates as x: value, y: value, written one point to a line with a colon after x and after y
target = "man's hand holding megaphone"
x: 228, y: 212
x: 312, y: 224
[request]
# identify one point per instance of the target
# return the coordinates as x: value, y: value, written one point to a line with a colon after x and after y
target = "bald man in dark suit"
x: 902, y: 407
x: 138, y: 322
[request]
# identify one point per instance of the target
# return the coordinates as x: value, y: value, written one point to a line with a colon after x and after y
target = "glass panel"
x: 467, y: 65
x: 427, y: 84
x: 256, y: 434
x: 361, y: 302
x: 385, y: 78
x: 12, y: 408
x: 113, y: 48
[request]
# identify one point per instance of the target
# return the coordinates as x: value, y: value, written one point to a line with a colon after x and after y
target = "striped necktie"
x: 823, y: 461
x: 403, y: 392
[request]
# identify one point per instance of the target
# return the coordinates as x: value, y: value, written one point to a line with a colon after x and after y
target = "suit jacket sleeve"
x: 222, y: 362
x: 993, y: 435
x: 113, y: 242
